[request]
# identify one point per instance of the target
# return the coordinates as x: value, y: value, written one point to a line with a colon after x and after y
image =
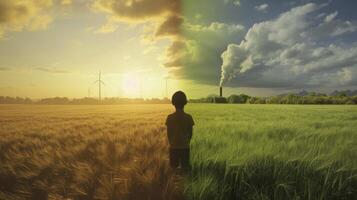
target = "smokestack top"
x: 220, y: 91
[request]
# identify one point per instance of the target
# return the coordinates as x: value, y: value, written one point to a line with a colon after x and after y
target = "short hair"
x: 179, y: 99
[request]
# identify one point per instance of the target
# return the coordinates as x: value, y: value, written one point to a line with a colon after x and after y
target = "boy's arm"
x: 168, y: 130
x: 190, y: 131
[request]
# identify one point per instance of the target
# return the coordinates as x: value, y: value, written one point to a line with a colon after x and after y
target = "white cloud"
x: 262, y: 7
x: 344, y: 27
x: 287, y: 52
x: 234, y: 2
x: 321, y: 15
x: 331, y: 16
x: 332, y: 27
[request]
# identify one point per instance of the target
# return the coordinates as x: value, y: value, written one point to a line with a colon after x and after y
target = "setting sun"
x: 132, y: 85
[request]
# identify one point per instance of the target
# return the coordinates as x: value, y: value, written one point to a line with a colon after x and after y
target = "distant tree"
x: 255, y: 100
x: 312, y: 98
x: 233, y: 99
x: 273, y: 100
x: 220, y: 100
x: 291, y: 99
x: 350, y: 102
x: 211, y: 98
x: 242, y: 98
x: 16, y: 100
x: 85, y: 101
x: 312, y: 94
x: 55, y: 100
x: 349, y: 93
x: 342, y: 94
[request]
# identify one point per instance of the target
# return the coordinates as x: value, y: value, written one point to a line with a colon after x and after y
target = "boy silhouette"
x: 179, y: 132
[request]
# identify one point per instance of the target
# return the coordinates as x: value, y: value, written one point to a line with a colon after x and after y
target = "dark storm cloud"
x: 196, y: 55
x: 28, y: 15
x: 166, y: 14
x: 175, y: 53
x: 170, y: 27
x: 131, y: 11
x: 138, y: 10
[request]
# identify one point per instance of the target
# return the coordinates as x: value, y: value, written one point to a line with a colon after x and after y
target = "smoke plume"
x: 236, y: 59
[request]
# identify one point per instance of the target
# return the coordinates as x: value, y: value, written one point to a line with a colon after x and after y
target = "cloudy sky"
x: 259, y: 47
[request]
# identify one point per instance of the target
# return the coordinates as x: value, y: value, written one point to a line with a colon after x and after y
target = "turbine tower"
x: 100, y: 82
x: 166, y: 94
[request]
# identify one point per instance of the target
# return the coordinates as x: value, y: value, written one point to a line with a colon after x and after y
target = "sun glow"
x: 132, y: 85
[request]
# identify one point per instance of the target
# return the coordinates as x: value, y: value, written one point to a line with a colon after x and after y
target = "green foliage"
x: 220, y: 100
x: 273, y: 152
x: 337, y: 97
x: 242, y: 98
x: 308, y: 98
x: 311, y: 98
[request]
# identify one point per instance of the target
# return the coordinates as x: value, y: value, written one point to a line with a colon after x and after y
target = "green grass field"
x: 274, y: 152
x: 120, y: 152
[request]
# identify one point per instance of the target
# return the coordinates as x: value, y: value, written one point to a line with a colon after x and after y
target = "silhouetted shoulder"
x: 179, y: 118
x: 190, y: 119
x: 169, y: 118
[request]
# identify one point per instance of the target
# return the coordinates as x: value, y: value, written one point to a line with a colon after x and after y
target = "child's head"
x: 179, y: 100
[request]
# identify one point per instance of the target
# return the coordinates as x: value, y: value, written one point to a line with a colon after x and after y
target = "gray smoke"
x: 236, y: 59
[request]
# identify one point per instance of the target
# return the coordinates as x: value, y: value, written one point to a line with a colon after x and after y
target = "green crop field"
x: 274, y: 152
x: 120, y: 152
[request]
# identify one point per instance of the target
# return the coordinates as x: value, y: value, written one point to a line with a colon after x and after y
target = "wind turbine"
x: 166, y: 94
x: 100, y: 82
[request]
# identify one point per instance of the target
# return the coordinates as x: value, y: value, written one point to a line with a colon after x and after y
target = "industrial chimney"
x: 220, y: 91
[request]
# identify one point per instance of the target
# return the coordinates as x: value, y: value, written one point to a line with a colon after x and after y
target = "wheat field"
x: 121, y: 152
x: 85, y: 152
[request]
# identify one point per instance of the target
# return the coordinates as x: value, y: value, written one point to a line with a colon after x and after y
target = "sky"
x: 151, y: 48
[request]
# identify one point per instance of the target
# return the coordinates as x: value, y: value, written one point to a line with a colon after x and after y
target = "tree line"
x: 80, y: 101
x: 308, y: 98
x: 336, y: 97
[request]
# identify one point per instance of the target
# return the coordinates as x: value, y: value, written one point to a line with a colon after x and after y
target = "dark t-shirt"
x: 179, y: 130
